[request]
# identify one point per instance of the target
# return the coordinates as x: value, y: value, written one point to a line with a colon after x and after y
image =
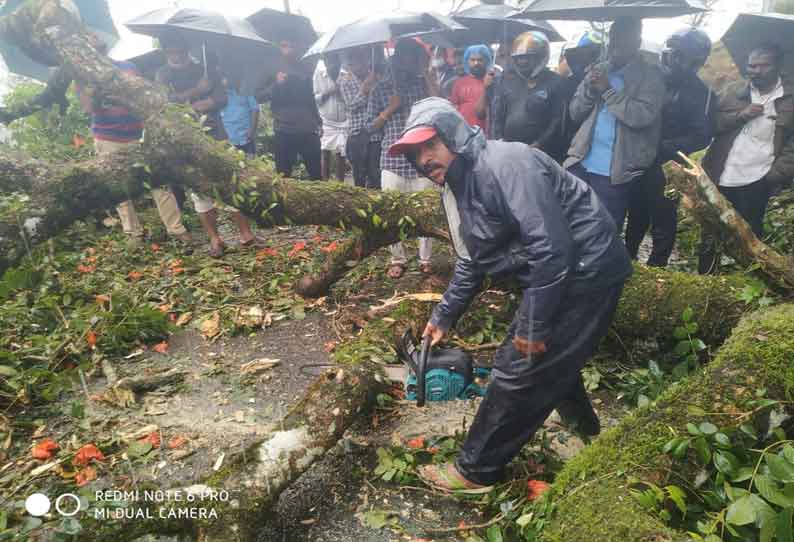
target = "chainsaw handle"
x: 422, y: 370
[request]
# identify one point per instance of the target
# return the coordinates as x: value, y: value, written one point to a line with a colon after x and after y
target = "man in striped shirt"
x: 115, y: 129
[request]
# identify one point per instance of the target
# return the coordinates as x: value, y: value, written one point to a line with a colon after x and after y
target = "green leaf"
x: 783, y: 526
x: 693, y: 429
x: 7, y: 371
x: 680, y: 450
x: 699, y: 345
x: 722, y: 440
x: 688, y: 314
x: 780, y: 468
x: 524, y: 519
x: 788, y: 453
x: 670, y: 445
x: 682, y: 348
x: 769, y: 490
x: 742, y: 474
x: 139, y: 448
x: 695, y: 411
x: 680, y: 333
x: 703, y: 450
x: 494, y: 534
x: 678, y: 497
x: 707, y: 428
x: 726, y: 462
x: 361, y: 212
x: 741, y: 512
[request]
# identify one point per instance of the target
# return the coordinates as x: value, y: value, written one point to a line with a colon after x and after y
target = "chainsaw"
x: 441, y: 375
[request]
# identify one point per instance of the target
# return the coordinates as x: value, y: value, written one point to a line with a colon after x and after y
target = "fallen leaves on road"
x: 330, y: 247
x: 91, y: 339
x: 162, y: 347
x: 417, y: 443
x: 252, y: 317
x: 177, y: 442
x: 258, y: 365
x: 211, y: 326
x: 184, y: 319
x: 84, y: 476
x: 44, y: 449
x: 134, y: 276
x: 82, y: 268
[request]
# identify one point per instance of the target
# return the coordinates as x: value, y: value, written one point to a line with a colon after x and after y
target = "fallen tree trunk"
x: 719, y: 219
x: 591, y: 493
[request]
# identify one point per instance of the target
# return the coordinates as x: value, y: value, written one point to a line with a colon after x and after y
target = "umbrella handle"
x: 204, y: 55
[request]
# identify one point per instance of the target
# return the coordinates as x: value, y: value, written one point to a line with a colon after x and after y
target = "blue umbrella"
x: 94, y: 13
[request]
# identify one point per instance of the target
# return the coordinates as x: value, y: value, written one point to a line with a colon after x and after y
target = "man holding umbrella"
x: 513, y: 211
x: 619, y: 105
x: 753, y: 149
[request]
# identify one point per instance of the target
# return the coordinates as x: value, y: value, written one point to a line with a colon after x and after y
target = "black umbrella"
x: 609, y: 10
x: 491, y: 23
x: 94, y: 13
x: 275, y: 26
x: 381, y: 29
x: 241, y: 52
x: 749, y: 31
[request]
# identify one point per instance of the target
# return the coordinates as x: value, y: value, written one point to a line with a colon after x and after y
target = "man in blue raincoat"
x: 514, y: 212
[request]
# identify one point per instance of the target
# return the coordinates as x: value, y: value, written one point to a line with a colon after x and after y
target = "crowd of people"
x: 607, y: 114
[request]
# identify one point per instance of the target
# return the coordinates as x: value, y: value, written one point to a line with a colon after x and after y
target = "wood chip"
x: 258, y: 365
x: 219, y: 462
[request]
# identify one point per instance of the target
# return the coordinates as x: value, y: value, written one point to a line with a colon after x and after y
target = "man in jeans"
x: 408, y: 82
x: 686, y: 128
x: 619, y: 104
x: 115, y: 129
x: 296, y: 122
x: 363, y: 147
x: 753, y: 150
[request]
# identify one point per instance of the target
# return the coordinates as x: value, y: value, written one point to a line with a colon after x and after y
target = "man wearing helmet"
x: 686, y: 128
x: 619, y: 104
x: 526, y: 104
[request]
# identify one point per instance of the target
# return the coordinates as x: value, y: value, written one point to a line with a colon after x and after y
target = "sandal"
x: 447, y: 479
x: 255, y: 241
x: 395, y: 270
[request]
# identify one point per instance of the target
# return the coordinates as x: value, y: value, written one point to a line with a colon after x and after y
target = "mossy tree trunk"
x: 592, y: 491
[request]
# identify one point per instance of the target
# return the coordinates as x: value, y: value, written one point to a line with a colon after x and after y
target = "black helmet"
x: 693, y: 46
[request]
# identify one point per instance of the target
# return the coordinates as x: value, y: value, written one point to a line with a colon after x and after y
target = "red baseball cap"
x: 412, y: 138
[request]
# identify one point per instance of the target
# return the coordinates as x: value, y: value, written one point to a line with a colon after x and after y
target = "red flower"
x: 536, y: 488
x: 153, y: 438
x: 44, y: 449
x: 85, y: 454
x: 297, y: 247
x: 331, y: 247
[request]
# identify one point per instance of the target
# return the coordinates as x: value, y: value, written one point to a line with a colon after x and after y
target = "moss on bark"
x: 593, y: 500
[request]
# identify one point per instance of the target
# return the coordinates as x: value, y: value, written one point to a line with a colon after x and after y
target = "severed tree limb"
x: 715, y: 213
x: 53, y: 94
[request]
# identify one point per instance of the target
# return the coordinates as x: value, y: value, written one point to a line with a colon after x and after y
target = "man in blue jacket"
x: 513, y: 211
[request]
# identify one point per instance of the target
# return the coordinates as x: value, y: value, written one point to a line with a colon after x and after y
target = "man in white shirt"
x: 334, y: 114
x: 753, y: 149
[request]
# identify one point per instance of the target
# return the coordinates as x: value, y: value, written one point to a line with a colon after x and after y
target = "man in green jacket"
x: 753, y: 150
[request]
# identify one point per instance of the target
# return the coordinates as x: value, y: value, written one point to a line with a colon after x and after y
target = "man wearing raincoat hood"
x: 513, y: 211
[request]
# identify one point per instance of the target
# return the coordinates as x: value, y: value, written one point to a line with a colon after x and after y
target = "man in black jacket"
x: 513, y: 211
x: 686, y: 127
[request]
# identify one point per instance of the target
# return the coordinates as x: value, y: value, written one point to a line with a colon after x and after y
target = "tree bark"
x: 718, y: 218
x: 592, y: 492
